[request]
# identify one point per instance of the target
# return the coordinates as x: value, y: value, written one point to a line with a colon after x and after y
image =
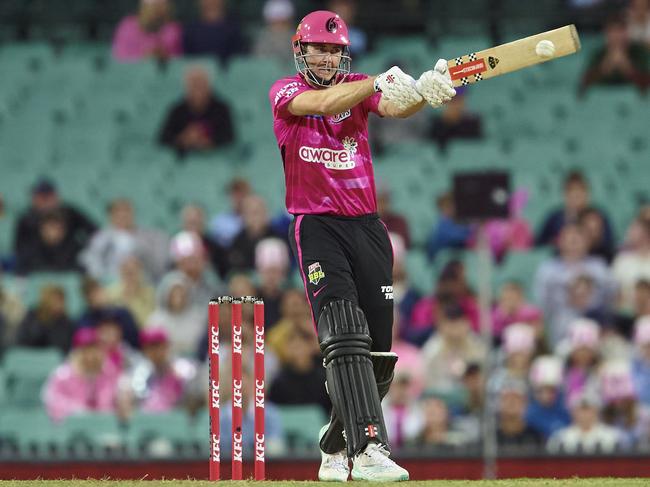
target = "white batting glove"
x: 398, y: 88
x: 435, y: 85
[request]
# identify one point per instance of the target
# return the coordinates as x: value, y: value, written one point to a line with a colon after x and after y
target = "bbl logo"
x: 315, y: 273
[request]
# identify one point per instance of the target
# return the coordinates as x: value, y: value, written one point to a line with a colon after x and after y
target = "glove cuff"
x: 376, y: 85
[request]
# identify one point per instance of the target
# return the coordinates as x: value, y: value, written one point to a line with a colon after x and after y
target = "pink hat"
x: 642, y: 331
x: 84, y: 337
x: 546, y: 371
x: 151, y: 336
x: 518, y: 337
x: 584, y: 333
x: 185, y: 244
x: 616, y: 381
x: 271, y: 252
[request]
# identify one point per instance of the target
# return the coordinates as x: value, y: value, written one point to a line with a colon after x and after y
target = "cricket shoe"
x: 334, y: 467
x: 373, y: 465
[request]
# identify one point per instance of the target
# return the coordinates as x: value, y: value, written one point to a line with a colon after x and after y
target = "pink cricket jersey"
x: 327, y: 163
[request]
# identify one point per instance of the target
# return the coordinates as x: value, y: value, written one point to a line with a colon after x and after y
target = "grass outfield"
x: 596, y: 482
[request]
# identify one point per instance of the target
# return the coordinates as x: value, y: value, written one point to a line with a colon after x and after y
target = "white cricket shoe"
x: 373, y: 465
x: 333, y: 467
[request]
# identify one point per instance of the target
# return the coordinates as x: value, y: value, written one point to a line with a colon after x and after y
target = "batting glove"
x: 398, y: 88
x: 435, y: 85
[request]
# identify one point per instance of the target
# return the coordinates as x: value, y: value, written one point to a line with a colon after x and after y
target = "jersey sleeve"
x: 370, y: 104
x: 282, y: 92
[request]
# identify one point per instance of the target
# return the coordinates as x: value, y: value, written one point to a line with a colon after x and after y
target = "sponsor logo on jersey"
x: 387, y: 291
x: 286, y: 91
x: 331, y: 158
x: 315, y: 273
x: 339, y: 117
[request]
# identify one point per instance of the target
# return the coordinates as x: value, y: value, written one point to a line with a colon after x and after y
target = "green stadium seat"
x: 521, y: 267
x: 92, y: 434
x: 31, y: 434
x: 26, y: 370
x: 164, y: 435
x: 301, y: 425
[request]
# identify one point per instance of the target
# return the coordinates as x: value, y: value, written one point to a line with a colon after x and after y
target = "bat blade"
x: 515, y: 55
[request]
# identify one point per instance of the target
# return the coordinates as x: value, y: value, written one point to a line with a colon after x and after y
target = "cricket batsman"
x: 320, y: 120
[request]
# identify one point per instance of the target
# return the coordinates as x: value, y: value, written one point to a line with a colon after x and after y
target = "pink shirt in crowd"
x: 163, y: 394
x: 67, y: 392
x: 327, y: 163
x: 526, y: 314
x: 131, y: 43
x: 425, y: 310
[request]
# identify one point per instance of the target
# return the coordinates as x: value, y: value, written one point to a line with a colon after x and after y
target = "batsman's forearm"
x: 344, y: 96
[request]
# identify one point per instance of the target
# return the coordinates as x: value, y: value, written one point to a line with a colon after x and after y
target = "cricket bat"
x: 519, y: 54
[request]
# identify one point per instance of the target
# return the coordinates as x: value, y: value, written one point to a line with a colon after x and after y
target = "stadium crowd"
x: 573, y: 371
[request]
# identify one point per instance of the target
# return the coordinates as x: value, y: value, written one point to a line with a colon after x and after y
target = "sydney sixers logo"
x: 331, y: 25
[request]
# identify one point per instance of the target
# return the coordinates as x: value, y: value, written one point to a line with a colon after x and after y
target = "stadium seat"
x: 301, y: 425
x: 159, y: 435
x: 31, y: 434
x: 95, y: 435
x: 521, y: 267
x: 26, y: 370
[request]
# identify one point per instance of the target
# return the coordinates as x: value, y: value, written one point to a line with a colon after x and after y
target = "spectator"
x: 183, y: 321
x: 582, y: 302
x: 455, y: 122
x: 301, y: 380
x: 508, y: 234
x: 447, y: 233
x: 633, y: 263
x: 193, y: 220
x: 641, y: 362
x: 121, y: 238
x: 52, y: 251
x: 133, y: 291
x: 395, y: 222
x: 112, y: 332
x: 546, y: 411
x: 215, y: 34
x: 190, y: 263
x: 67, y: 229
x: 200, y: 121
x: 347, y: 10
x: 159, y: 383
x: 581, y: 348
x: 619, y: 62
x: 600, y: 242
x: 518, y: 350
x: 513, y: 432
x: 447, y: 353
x: 48, y: 324
x: 586, y: 434
x: 512, y: 307
x: 12, y: 309
x: 85, y: 382
x: 452, y: 289
x: 405, y: 295
x: 295, y: 313
x: 624, y: 321
x: 275, y: 36
x: 256, y: 227
x: 151, y: 33
x: 620, y: 399
x: 225, y: 226
x: 400, y: 410
x: 437, y: 428
x: 272, y: 266
x: 98, y: 309
x: 576, y: 199
x: 638, y: 22
x: 555, y: 276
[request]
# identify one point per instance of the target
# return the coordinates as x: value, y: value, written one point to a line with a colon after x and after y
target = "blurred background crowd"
x: 126, y: 204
